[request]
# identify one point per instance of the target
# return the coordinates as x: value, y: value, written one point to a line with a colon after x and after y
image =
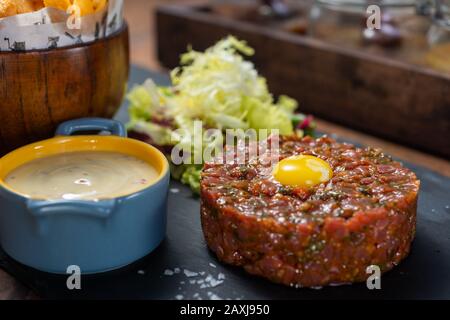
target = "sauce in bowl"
x: 92, y: 175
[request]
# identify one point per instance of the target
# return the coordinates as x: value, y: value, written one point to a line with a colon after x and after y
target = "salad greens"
x: 217, y: 87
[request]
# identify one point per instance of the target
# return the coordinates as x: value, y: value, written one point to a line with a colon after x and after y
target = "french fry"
x: 12, y: 7
x: 99, y: 4
x: 86, y: 6
x: 38, y: 4
x: 7, y: 8
x: 24, y: 6
x: 59, y: 4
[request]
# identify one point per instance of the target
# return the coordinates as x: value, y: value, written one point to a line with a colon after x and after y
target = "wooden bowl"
x: 40, y: 89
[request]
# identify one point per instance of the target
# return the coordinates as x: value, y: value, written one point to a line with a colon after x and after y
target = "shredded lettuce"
x: 218, y: 87
x: 191, y: 177
x: 160, y: 136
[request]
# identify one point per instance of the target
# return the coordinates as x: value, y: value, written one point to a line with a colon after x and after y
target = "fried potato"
x: 12, y: 7
x: 99, y: 4
x: 7, y: 8
x: 24, y: 6
x: 86, y: 6
x: 38, y: 4
x: 59, y: 4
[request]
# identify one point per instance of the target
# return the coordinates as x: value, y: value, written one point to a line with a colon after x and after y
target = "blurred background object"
x: 402, y: 35
x: 346, y: 19
x: 412, y: 27
x: 389, y: 82
x: 412, y: 95
x: 439, y: 35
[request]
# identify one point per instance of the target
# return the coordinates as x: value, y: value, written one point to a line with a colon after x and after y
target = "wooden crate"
x: 402, y: 102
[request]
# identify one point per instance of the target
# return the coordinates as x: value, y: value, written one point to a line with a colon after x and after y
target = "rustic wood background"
x: 358, y: 88
x: 139, y: 14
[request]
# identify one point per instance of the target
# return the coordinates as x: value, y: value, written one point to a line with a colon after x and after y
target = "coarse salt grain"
x: 189, y: 273
x: 168, y: 272
x: 214, y: 296
x: 214, y: 283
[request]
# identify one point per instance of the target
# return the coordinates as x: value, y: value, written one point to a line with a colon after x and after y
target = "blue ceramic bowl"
x: 96, y: 236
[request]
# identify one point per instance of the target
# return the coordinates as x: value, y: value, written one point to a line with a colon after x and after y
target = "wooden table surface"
x: 140, y: 18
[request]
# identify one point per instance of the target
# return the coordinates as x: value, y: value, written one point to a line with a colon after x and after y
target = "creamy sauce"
x: 82, y: 176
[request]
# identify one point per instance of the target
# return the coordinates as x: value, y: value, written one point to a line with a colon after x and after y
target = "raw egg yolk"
x: 302, y: 171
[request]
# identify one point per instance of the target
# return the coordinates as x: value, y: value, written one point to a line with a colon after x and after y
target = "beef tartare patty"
x: 326, y: 234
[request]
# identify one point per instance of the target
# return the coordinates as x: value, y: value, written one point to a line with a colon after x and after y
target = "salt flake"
x: 168, y: 272
x: 190, y: 274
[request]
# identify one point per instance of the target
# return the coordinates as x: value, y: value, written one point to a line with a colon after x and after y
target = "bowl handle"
x: 90, y: 124
x: 40, y: 209
x: 101, y: 209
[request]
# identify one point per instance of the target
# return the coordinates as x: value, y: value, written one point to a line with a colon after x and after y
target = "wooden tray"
x: 423, y: 275
x: 403, y: 102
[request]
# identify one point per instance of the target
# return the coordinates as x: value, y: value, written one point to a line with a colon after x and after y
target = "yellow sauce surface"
x: 82, y: 176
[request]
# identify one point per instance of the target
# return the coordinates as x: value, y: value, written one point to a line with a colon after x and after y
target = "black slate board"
x: 425, y: 274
